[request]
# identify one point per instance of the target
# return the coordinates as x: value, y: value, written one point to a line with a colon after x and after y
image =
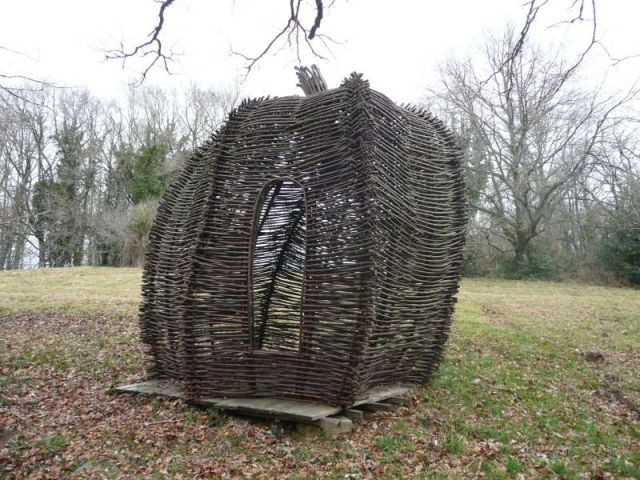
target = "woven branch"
x: 310, y: 80
x: 311, y: 250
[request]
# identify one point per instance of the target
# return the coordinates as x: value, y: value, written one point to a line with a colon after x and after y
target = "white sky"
x: 397, y: 44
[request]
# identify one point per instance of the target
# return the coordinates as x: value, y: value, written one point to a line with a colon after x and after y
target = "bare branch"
x: 580, y: 16
x: 296, y: 34
x: 15, y: 52
x: 28, y: 85
x: 316, y: 22
x: 19, y: 86
x: 532, y: 13
x: 616, y: 60
x: 294, y: 30
x: 153, y: 47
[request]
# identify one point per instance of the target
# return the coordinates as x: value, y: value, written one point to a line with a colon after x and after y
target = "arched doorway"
x: 277, y: 265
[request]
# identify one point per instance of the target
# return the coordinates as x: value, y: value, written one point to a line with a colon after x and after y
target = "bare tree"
x: 617, y: 171
x: 19, y: 161
x: 203, y: 111
x: 530, y: 131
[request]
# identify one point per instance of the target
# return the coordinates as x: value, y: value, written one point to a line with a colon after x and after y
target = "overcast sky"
x: 397, y: 44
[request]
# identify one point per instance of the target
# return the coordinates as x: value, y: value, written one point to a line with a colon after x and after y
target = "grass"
x: 539, y: 381
x: 73, y: 290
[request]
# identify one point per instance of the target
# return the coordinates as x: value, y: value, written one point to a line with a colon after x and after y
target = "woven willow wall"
x: 311, y: 250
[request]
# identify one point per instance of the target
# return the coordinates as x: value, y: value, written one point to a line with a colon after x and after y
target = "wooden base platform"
x: 330, y: 419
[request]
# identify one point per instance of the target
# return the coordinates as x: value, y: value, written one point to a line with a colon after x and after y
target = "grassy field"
x: 540, y: 381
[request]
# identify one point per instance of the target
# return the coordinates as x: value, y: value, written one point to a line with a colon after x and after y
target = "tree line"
x: 552, y: 166
x: 80, y: 177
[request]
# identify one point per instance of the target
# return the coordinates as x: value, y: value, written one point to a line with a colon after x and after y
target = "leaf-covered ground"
x: 540, y: 381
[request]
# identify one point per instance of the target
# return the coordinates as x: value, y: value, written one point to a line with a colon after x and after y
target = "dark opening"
x: 277, y: 266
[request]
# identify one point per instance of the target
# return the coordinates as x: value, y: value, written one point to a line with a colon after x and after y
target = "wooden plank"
x: 294, y: 410
x: 353, y: 414
x: 376, y: 407
x: 399, y: 400
x: 153, y: 387
x: 379, y: 394
x: 273, y: 408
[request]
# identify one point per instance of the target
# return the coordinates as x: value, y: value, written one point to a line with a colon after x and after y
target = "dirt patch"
x: 499, y: 316
x: 596, y: 357
x: 617, y: 395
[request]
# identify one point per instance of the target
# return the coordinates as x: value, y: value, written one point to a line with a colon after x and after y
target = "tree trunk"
x: 5, y: 250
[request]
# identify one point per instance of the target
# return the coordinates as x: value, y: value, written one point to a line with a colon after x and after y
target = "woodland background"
x: 552, y: 164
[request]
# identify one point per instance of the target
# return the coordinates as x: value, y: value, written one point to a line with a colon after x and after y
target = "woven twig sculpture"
x: 310, y: 250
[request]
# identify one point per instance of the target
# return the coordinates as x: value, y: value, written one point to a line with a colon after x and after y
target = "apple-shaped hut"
x: 311, y: 250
